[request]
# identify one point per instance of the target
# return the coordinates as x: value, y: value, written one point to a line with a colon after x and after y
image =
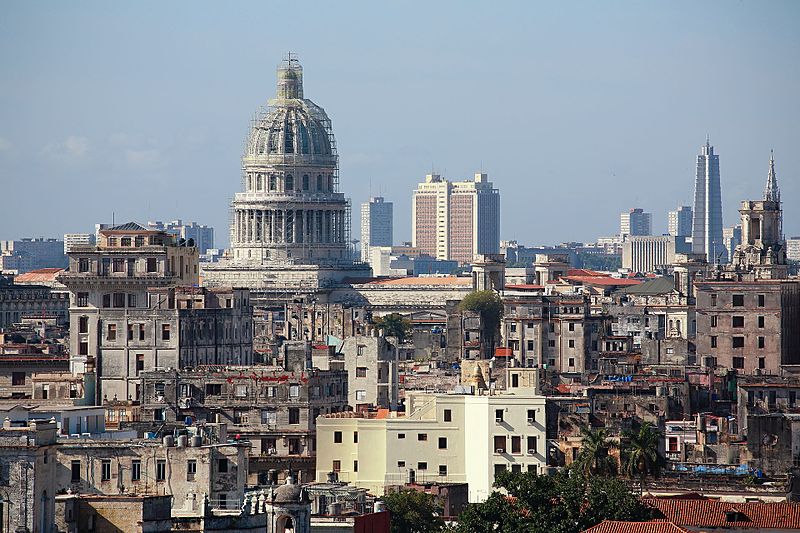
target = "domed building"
x: 291, y: 224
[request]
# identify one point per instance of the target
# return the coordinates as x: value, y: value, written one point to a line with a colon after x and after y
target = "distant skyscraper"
x: 203, y: 235
x: 376, y: 225
x: 707, y: 226
x: 635, y: 222
x: 77, y: 239
x: 456, y: 220
x: 680, y: 222
x: 732, y: 237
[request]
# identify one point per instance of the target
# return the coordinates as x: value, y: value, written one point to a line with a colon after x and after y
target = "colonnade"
x: 279, y: 226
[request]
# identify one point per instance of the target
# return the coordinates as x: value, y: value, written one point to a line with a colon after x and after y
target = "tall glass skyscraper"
x: 707, y: 225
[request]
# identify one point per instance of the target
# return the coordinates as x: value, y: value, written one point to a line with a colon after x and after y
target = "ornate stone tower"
x: 763, y: 248
x: 291, y: 210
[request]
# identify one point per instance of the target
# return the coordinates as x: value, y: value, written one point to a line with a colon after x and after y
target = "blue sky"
x: 577, y: 110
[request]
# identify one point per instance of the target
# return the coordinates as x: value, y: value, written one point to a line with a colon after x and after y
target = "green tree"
x: 595, y: 458
x: 564, y: 503
x: 489, y: 307
x: 641, y: 454
x: 395, y: 325
x: 413, y: 512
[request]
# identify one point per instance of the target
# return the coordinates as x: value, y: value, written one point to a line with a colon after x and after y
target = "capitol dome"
x: 292, y: 125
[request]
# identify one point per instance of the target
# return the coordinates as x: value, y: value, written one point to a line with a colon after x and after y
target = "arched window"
x: 259, y: 182
x: 319, y: 182
x: 330, y: 182
x: 289, y: 182
x: 305, y: 182
x: 272, y: 182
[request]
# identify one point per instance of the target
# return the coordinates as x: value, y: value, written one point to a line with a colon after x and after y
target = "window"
x: 401, y: 435
x: 119, y: 299
x: 83, y: 299
x: 499, y: 444
x: 761, y: 321
x: 337, y: 437
x: 361, y: 395
x: 442, y: 443
x: 499, y: 469
x: 532, y: 445
x: 136, y: 470
x: 131, y: 300
x: 139, y: 362
x: 737, y: 342
x: 75, y: 467
x: 713, y: 341
x: 738, y: 362
x: 571, y: 361
x: 762, y: 341
x: 516, y: 444
x: 165, y: 331
x: 191, y: 469
x: 112, y: 332
x: 294, y: 415
x: 106, y: 300
x: 222, y: 465
x: 337, y: 466
x: 761, y: 299
x: 551, y: 343
x: 213, y: 389
x: 552, y: 327
x: 105, y: 470
x: 762, y: 363
x: 714, y: 321
x: 83, y: 348
x: 572, y: 326
x: 17, y: 379
x: 159, y: 415
x: 355, y: 437
x: 422, y: 465
x: 152, y: 265
x: 241, y: 416
x: 361, y: 372
x: 713, y: 300
x: 737, y: 300
x: 737, y: 321
x: 83, y: 264
x: 498, y: 415
x: 442, y: 470
x: 530, y: 346
x: 422, y: 436
x: 161, y: 470
x: 571, y: 343
x: 355, y: 466
x: 118, y: 264
x: 130, y: 332
x: 448, y: 415
x: 294, y: 391
x: 531, y: 416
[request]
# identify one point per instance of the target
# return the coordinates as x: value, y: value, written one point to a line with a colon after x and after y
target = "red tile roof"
x: 584, y: 272
x: 754, y: 516
x: 38, y: 276
x: 618, y: 526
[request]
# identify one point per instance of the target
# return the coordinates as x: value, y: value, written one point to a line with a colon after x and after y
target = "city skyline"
x: 159, y: 140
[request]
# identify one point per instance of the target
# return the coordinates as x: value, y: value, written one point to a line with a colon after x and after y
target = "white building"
x: 731, y: 238
x: 793, y: 248
x: 202, y: 235
x: 460, y: 437
x: 679, y: 222
x: 456, y: 220
x: 651, y: 253
x: 376, y: 225
x: 77, y: 239
x: 635, y: 222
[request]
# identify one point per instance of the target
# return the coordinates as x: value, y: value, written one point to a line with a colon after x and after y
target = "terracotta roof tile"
x: 618, y: 526
x: 755, y: 516
x: 39, y: 275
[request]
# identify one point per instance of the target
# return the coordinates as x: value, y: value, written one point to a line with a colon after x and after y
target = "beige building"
x: 651, y: 253
x: 460, y: 437
x: 456, y: 220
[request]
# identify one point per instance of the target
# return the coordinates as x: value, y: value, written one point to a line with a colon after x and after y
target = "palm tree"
x: 594, y: 458
x: 641, y: 454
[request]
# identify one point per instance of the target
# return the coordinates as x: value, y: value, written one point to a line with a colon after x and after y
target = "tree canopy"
x: 564, y: 503
x: 395, y: 325
x: 641, y: 454
x: 490, y: 308
x: 594, y: 458
x: 413, y: 512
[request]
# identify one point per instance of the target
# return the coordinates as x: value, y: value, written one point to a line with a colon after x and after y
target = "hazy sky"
x: 577, y: 110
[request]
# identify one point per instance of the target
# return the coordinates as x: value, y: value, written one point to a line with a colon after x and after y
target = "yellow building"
x: 466, y: 436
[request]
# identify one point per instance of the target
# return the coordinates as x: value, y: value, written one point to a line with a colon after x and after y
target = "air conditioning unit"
x: 531, y: 421
x: 499, y: 450
x: 531, y: 452
x: 498, y: 420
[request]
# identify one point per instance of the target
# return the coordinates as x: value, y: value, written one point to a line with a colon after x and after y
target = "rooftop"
x: 756, y: 516
x: 618, y: 526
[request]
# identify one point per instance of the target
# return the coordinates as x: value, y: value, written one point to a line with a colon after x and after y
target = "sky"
x: 576, y: 110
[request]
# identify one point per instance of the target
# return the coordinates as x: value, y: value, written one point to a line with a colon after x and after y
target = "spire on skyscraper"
x: 771, y: 191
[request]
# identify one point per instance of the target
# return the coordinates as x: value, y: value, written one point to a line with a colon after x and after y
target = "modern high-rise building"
x: 376, y: 225
x: 635, y: 222
x: 77, y: 239
x: 707, y: 225
x: 732, y: 237
x: 793, y: 248
x: 649, y: 253
x: 24, y: 255
x: 456, y: 220
x: 679, y: 223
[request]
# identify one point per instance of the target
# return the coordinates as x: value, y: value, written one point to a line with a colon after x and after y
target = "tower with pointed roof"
x: 707, y: 222
x: 762, y: 253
